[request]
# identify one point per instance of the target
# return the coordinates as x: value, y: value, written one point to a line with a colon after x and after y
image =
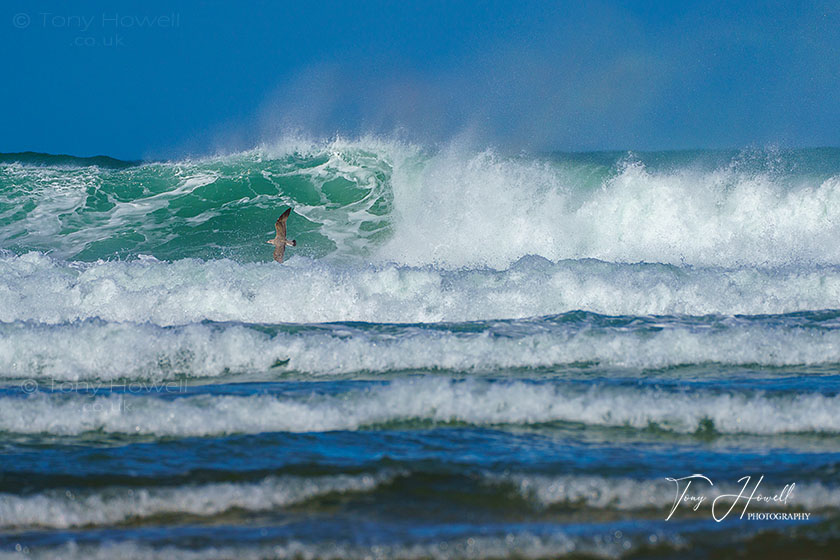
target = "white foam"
x: 35, y: 287
x: 427, y: 399
x: 64, y: 509
x: 96, y: 350
x: 464, y: 208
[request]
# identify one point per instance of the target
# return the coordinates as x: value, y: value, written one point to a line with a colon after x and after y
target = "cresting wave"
x: 64, y: 509
x: 427, y: 400
x: 454, y: 207
x: 35, y: 287
x: 118, y: 505
x: 94, y: 350
x: 706, y: 209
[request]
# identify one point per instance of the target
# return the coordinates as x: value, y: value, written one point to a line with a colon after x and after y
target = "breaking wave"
x: 429, y: 400
x: 101, y: 351
x: 453, y: 207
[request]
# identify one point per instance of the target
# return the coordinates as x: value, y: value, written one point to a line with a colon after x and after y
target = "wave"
x: 207, y: 208
x: 34, y: 287
x: 486, y: 210
x: 386, y: 201
x: 64, y: 509
x: 422, y: 401
x: 99, y: 351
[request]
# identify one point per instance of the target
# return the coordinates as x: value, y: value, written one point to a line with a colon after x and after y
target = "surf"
x: 376, y: 200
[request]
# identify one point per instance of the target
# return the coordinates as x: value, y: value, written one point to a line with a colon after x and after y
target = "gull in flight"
x: 280, y: 240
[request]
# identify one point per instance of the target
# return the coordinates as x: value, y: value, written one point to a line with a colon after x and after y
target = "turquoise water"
x: 468, y: 354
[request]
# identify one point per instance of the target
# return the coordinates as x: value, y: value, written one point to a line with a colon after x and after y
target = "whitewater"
x: 469, y: 353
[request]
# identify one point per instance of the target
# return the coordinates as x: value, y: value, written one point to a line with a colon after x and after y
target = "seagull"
x: 280, y: 240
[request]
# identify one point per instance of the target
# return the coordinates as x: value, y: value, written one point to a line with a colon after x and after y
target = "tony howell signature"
x: 747, y: 495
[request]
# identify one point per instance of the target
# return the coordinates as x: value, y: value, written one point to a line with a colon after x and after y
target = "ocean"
x: 468, y: 354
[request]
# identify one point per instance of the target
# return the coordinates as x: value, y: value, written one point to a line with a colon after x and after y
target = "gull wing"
x: 280, y: 225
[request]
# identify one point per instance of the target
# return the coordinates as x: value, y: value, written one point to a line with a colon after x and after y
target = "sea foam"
x: 34, y: 287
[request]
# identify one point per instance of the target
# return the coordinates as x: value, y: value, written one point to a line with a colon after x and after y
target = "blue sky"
x: 165, y: 79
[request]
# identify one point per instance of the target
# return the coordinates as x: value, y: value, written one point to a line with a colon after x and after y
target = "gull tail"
x: 293, y: 243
